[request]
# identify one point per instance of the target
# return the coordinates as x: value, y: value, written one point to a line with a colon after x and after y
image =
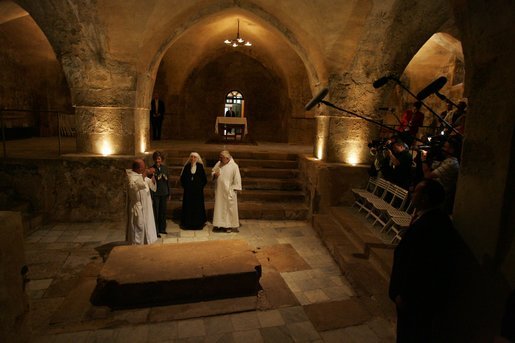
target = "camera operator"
x: 400, y: 160
x: 445, y: 172
x: 381, y: 165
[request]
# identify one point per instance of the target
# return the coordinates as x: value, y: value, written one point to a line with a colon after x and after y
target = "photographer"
x: 400, y: 160
x: 445, y: 172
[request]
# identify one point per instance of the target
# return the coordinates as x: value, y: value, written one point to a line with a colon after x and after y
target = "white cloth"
x: 226, y: 200
x: 141, y: 227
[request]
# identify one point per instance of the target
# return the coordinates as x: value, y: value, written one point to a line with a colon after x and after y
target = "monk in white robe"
x: 141, y: 227
x: 226, y: 175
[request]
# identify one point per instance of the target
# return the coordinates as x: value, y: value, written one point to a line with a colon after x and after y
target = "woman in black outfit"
x: 193, y: 180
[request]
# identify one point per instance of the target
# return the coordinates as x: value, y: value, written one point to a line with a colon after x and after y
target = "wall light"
x: 106, y: 148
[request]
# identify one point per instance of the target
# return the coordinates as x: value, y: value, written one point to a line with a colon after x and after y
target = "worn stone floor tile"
x: 276, y: 334
x: 362, y: 333
x: 308, y: 284
x: 226, y: 337
x: 293, y: 314
x: 199, y: 339
x: 187, y: 233
x: 132, y: 316
x: 248, y: 336
x: 303, y: 300
x: 131, y: 333
x: 336, y: 293
x: 218, y: 325
x: 162, y: 332
x: 270, y: 318
x: 337, y: 336
x: 383, y: 328
x: 76, y: 337
x: 292, y: 285
x: 303, y: 332
x: 50, y: 239
x: 191, y: 328
x: 316, y: 296
x: 245, y: 321
x: 103, y: 335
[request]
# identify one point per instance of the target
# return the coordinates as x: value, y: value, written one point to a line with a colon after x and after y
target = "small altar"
x: 224, y: 126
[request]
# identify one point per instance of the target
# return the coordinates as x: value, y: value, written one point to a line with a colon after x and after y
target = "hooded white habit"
x: 226, y: 200
x: 141, y: 227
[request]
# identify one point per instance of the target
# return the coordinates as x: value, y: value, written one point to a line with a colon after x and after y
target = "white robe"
x: 141, y: 227
x: 226, y: 200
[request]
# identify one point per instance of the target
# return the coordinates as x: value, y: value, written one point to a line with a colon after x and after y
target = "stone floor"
x: 58, y: 254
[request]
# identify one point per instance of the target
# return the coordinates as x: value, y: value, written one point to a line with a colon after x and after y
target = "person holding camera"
x: 446, y: 172
x: 141, y: 228
x: 400, y: 160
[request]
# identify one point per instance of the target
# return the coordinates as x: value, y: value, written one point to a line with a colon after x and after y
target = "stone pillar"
x: 344, y: 139
x: 112, y: 130
x: 14, y: 316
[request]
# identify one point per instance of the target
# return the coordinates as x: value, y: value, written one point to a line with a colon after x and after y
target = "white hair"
x: 225, y: 153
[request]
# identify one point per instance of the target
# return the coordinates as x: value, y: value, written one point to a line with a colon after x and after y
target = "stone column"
x: 344, y: 139
x: 112, y: 130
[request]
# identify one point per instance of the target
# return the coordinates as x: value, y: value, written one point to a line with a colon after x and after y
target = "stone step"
x: 372, y: 247
x: 254, y: 183
x: 212, y: 155
x: 250, y: 172
x: 253, y: 195
x: 243, y: 163
x: 252, y: 210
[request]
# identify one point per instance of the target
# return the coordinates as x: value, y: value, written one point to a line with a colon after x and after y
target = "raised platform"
x: 145, y: 275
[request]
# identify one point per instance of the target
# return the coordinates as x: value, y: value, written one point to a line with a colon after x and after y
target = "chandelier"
x: 238, y: 41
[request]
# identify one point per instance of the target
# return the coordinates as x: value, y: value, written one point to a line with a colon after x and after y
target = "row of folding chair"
x: 387, y: 204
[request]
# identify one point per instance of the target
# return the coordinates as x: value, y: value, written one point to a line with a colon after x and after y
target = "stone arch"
x: 209, y: 82
x: 441, y: 55
x: 32, y: 78
x: 391, y: 40
x: 178, y: 63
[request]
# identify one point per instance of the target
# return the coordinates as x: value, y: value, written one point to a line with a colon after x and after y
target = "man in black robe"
x: 423, y: 266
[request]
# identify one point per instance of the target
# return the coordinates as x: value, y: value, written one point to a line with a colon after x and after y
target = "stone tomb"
x: 146, y: 275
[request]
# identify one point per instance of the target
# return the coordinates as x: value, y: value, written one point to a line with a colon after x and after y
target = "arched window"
x: 234, y: 102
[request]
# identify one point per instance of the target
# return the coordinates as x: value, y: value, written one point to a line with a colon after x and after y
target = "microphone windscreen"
x: 319, y: 97
x: 381, y: 81
x: 431, y: 88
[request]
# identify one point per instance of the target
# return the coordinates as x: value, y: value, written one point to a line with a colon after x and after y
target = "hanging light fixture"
x: 238, y: 41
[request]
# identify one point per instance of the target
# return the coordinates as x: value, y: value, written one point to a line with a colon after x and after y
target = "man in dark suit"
x: 157, y: 111
x: 423, y: 265
x: 230, y: 113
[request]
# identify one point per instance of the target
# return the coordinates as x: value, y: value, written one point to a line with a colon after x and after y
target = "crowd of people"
x: 149, y: 192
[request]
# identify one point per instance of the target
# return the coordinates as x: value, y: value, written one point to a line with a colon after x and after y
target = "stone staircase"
x: 271, y: 187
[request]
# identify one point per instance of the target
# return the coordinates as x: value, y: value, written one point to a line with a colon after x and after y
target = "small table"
x: 224, y: 125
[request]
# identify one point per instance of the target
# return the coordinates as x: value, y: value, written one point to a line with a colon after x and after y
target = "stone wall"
x: 70, y: 189
x: 14, y: 317
x: 36, y: 84
x: 330, y: 184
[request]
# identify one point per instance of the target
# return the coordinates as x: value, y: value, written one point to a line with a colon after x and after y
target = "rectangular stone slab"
x: 146, y: 275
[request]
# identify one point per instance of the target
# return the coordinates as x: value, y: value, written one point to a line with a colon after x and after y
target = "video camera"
x: 380, y: 144
x: 434, y: 148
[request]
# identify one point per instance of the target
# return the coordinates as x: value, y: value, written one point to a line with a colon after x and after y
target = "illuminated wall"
x: 344, y: 139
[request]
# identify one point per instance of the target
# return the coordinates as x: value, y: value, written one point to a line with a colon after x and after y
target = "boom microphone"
x: 380, y: 82
x: 433, y: 87
x: 319, y: 97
